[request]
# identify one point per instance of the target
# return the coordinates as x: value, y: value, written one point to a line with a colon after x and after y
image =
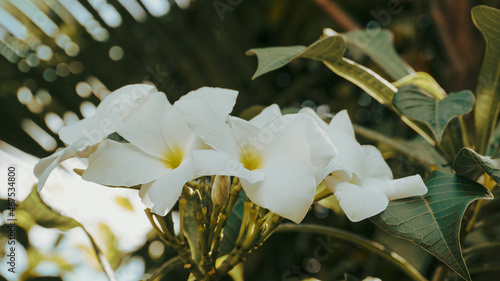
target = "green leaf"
x: 433, y: 221
x: 232, y: 228
x: 44, y: 215
x: 471, y: 164
x: 329, y: 48
x: 378, y: 45
x: 415, y: 104
x: 424, y: 81
x: 487, y: 20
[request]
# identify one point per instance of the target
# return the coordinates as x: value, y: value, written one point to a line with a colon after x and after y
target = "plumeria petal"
x: 144, y: 126
x: 108, y: 115
x: 341, y: 124
x: 375, y: 165
x: 211, y: 162
x: 247, y: 135
x: 267, y: 115
x: 220, y: 100
x: 83, y: 128
x: 311, y: 113
x: 358, y: 203
x: 122, y: 164
x: 46, y: 165
x: 288, y: 189
x: 404, y: 187
x: 298, y: 135
x: 163, y: 193
x: 205, y: 123
x: 176, y: 132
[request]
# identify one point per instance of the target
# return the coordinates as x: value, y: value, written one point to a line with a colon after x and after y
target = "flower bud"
x: 220, y: 189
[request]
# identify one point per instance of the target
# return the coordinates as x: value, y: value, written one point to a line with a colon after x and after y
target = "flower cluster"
x: 280, y: 160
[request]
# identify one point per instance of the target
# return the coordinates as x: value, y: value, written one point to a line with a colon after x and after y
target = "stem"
x: 354, y: 238
x: 338, y: 15
x: 441, y: 273
x: 181, y: 249
x: 165, y: 268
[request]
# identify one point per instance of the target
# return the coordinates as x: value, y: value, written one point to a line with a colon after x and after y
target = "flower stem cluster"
x: 209, y: 219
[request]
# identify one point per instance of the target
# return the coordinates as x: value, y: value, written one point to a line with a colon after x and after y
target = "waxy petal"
x: 298, y: 135
x: 162, y: 194
x: 341, y: 124
x: 46, y: 165
x: 108, y: 116
x: 220, y: 100
x: 176, y: 131
x: 122, y: 164
x: 211, y: 162
x: 267, y: 115
x: 311, y: 113
x: 287, y: 190
x: 405, y: 187
x: 205, y: 123
x: 358, y: 203
x: 375, y: 165
x: 144, y: 126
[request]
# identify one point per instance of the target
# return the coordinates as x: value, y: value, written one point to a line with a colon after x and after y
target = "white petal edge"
x: 405, y: 187
x: 287, y: 190
x: 267, y: 115
x: 46, y: 165
x: 122, y: 164
x: 162, y: 194
x: 357, y: 202
x: 311, y: 113
x: 341, y: 124
x: 220, y: 100
x: 205, y: 123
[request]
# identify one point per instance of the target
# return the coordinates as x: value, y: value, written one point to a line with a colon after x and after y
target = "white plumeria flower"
x: 83, y: 136
x: 158, y: 154
x: 276, y: 157
x: 362, y: 181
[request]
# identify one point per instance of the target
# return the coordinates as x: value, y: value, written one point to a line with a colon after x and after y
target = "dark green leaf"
x: 487, y: 20
x: 471, y: 164
x: 415, y: 104
x: 329, y: 48
x: 378, y: 45
x: 433, y: 221
x: 232, y: 228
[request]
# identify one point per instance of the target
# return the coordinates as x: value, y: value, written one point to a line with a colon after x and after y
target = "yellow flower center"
x: 173, y: 157
x: 251, y: 158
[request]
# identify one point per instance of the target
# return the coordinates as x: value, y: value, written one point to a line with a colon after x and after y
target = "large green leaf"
x: 471, y: 164
x: 433, y: 221
x: 378, y: 45
x: 329, y: 48
x: 416, y: 104
x: 424, y: 81
x: 487, y: 20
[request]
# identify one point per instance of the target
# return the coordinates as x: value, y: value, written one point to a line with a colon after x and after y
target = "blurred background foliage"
x: 60, y: 57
